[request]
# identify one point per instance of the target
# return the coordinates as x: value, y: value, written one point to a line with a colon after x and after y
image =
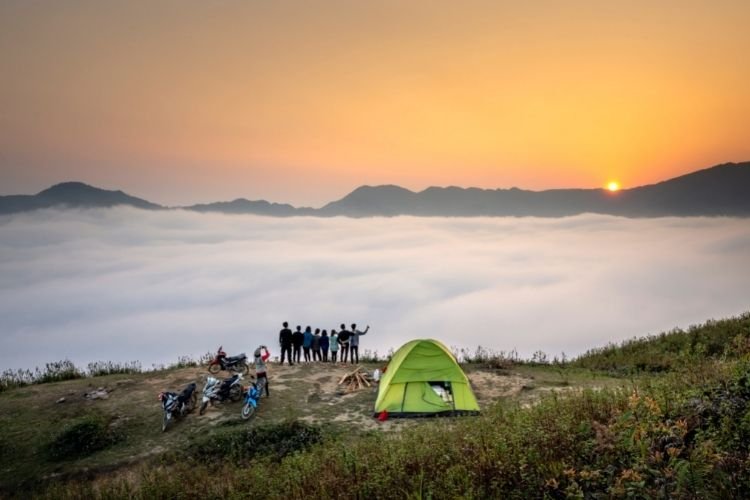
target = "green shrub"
x: 53, y: 372
x: 101, y: 368
x: 667, y: 351
x: 82, y: 438
x: 275, y: 441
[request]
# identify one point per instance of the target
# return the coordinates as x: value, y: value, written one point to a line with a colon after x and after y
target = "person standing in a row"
x: 354, y: 342
x: 344, y: 335
x: 307, y: 343
x: 297, y: 339
x: 316, y: 345
x: 324, y: 343
x: 285, y: 340
x: 334, y: 345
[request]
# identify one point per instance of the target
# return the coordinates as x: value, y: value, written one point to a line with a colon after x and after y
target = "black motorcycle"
x: 177, y: 405
x: 228, y: 363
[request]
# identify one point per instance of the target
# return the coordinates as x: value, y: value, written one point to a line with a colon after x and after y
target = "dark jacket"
x: 285, y: 337
x: 344, y: 336
x: 298, y: 338
x: 324, y: 343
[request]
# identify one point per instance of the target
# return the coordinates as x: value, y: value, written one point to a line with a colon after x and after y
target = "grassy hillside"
x: 554, y: 431
x: 727, y: 338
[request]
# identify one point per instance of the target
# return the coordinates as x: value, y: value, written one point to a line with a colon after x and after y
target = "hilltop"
x: 307, y: 393
x: 603, y: 425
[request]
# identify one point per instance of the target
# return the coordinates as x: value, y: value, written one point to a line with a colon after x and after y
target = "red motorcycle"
x: 221, y: 362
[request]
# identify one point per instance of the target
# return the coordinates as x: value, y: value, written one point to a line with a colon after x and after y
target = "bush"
x: 57, y: 371
x: 82, y: 438
x: 275, y: 441
x: 487, y: 358
x: 729, y: 338
x: 369, y: 356
x: 101, y: 368
x: 53, y: 372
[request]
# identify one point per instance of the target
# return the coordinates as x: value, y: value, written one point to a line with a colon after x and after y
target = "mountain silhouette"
x: 722, y: 190
x: 243, y: 206
x: 71, y: 195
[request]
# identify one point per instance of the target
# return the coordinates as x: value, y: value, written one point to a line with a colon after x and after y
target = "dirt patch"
x: 490, y: 386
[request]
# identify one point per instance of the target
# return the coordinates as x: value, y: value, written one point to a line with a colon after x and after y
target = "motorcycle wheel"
x: 203, y: 408
x: 244, y: 368
x: 235, y: 393
x: 248, y: 411
x: 214, y: 368
x: 164, y: 423
x: 191, y: 403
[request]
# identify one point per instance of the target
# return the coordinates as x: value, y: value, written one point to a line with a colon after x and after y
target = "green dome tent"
x: 423, y: 379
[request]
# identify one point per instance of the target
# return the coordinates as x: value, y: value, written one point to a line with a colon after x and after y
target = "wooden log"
x: 348, y: 375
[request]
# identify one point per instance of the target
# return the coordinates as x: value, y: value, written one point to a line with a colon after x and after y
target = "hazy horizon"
x: 124, y: 284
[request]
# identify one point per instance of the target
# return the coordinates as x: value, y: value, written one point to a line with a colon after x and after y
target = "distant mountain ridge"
x: 722, y: 190
x: 71, y: 195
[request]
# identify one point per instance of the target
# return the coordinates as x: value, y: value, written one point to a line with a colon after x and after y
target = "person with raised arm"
x: 261, y: 356
x: 354, y: 342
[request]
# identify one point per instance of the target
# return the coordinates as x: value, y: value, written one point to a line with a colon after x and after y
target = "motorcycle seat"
x: 234, y: 359
x: 186, y: 393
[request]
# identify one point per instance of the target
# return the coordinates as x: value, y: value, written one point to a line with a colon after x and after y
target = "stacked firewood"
x: 358, y: 379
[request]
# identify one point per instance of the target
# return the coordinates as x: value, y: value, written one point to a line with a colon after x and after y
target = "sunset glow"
x: 304, y: 101
x: 613, y: 186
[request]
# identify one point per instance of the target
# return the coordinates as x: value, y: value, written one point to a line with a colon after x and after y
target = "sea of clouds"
x: 125, y: 284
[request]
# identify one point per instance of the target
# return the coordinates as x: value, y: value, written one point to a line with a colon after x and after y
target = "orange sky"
x: 182, y: 102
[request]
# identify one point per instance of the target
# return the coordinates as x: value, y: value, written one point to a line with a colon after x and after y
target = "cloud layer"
x: 125, y: 284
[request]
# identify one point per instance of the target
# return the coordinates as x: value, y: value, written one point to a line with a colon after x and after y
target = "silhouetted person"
x: 315, y: 346
x: 354, y: 342
x: 297, y: 338
x: 344, y: 335
x: 307, y: 343
x: 324, y: 343
x: 285, y: 341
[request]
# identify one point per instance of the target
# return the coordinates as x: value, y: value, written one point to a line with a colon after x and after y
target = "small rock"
x: 100, y: 393
x: 61, y: 400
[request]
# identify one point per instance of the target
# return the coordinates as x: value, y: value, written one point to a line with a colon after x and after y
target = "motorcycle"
x: 177, y: 405
x: 221, y: 361
x: 252, y: 398
x: 221, y: 390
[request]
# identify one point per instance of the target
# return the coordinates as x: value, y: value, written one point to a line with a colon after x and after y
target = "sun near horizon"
x: 613, y: 186
x: 301, y: 102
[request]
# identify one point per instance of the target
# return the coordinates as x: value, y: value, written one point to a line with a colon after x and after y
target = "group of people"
x: 299, y: 345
